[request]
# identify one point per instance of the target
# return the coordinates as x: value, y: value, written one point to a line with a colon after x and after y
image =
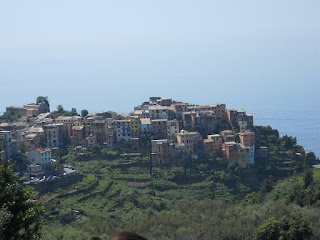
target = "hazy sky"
x: 112, y: 55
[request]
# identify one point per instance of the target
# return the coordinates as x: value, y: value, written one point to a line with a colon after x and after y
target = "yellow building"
x: 217, y: 142
x: 242, y: 156
x: 189, y: 140
x: 134, y: 121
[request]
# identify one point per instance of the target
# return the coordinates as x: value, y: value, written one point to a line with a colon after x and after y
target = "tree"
x: 309, y: 157
x: 308, y: 178
x: 44, y: 104
x: 154, y: 99
x: 60, y: 108
x: 74, y: 111
x: 0, y: 148
x: 19, y: 213
x: 84, y: 113
x: 267, y: 185
x: 292, y: 227
x: 288, y: 142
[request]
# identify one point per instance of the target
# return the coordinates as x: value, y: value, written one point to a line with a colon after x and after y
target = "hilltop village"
x: 97, y: 171
x: 165, y: 129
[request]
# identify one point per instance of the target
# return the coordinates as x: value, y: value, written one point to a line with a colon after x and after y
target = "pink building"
x: 230, y: 150
x: 247, y: 138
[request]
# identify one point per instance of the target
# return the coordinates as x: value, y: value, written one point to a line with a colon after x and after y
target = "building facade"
x: 39, y: 160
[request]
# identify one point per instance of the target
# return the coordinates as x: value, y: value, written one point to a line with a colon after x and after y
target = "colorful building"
x: 190, y: 140
x: 230, y: 151
x: 247, y: 138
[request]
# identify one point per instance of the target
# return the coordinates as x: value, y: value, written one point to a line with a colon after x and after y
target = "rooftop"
x: 40, y: 150
x: 36, y: 130
x: 145, y: 120
x: 215, y: 135
x: 230, y: 143
x: 160, y: 141
x: 246, y: 133
x: 158, y: 107
x: 159, y: 120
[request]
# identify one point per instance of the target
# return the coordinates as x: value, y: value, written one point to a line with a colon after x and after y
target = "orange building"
x: 230, y: 150
x: 247, y: 138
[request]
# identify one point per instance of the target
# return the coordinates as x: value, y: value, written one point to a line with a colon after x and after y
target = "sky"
x: 105, y: 55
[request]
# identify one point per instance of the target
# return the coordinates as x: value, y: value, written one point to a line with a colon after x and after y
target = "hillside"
x: 185, y: 200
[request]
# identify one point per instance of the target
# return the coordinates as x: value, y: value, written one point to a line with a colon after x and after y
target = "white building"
x: 39, y: 160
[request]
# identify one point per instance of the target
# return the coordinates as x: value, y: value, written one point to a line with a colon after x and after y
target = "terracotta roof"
x: 40, y: 150
x: 246, y: 133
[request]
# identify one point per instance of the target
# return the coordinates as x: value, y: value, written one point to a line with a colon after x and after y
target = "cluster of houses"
x: 171, y: 129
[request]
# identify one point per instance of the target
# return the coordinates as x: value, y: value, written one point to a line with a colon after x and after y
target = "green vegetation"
x: 205, y: 198
x: 62, y: 112
x: 285, y: 156
x: 19, y: 213
x: 44, y: 104
x: 8, y: 118
x: 288, y: 227
x: 84, y: 113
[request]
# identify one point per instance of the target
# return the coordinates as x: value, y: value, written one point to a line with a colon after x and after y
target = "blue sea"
x: 301, y: 120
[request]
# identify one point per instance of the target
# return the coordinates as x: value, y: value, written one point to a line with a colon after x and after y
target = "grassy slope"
x: 176, y: 201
